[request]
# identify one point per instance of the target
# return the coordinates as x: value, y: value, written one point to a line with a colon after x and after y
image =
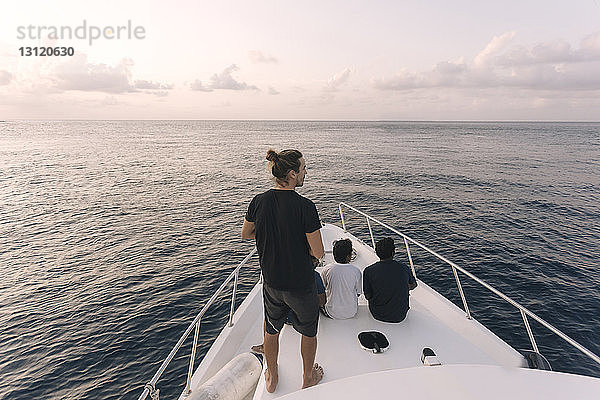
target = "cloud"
x: 197, y: 85
x: 551, y: 65
x: 143, y: 84
x: 79, y: 74
x: 223, y: 80
x: 258, y: 57
x: 557, y: 51
x: 403, y: 79
x: 496, y: 45
x: 337, y: 80
x: 5, y: 77
x: 590, y: 45
x: 272, y: 91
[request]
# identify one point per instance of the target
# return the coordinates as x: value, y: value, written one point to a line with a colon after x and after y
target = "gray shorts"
x: 304, y: 306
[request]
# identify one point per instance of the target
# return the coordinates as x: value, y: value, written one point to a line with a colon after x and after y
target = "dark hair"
x: 385, y: 248
x: 341, y: 250
x: 283, y: 162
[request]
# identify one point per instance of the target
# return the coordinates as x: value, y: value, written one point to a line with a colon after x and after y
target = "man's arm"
x: 321, y: 293
x: 358, y: 284
x: 322, y: 299
x: 248, y: 231
x: 367, y: 286
x: 315, y: 242
x: 412, y: 282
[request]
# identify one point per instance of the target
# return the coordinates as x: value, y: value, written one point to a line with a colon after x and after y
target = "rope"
x: 154, y: 392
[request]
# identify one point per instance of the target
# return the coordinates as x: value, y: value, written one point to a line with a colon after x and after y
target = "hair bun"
x: 272, y: 155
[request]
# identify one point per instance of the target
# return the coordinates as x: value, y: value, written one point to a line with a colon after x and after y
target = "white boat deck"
x: 464, y: 382
x: 432, y: 321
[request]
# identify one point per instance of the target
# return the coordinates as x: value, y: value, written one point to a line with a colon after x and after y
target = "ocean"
x: 113, y: 234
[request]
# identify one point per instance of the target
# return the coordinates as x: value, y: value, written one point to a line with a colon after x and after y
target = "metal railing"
x: 455, y: 268
x: 150, y: 387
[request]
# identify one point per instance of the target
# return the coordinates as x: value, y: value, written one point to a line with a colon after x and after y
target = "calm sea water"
x: 113, y: 234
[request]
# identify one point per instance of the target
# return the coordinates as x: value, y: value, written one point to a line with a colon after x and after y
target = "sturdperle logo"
x: 84, y: 31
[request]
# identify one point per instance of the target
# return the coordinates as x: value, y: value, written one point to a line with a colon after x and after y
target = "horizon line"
x: 302, y: 120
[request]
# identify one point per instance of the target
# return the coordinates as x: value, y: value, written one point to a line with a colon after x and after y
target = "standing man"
x: 386, y: 284
x: 286, y: 228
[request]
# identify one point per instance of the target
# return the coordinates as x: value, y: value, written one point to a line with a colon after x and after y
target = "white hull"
x: 475, y: 363
x: 432, y: 321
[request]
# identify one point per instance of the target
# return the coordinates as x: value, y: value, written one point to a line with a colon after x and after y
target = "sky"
x: 308, y: 60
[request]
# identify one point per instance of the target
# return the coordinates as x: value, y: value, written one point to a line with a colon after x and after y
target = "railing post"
x: 462, y: 294
x: 188, y: 382
x: 371, y: 232
x: 412, y: 266
x: 529, y: 332
x: 235, y: 283
x: 342, y: 218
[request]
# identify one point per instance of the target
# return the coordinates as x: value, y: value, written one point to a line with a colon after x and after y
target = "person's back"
x: 282, y: 218
x: 342, y: 286
x: 342, y: 283
x: 386, y: 285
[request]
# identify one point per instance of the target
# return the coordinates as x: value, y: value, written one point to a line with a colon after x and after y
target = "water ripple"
x: 113, y: 234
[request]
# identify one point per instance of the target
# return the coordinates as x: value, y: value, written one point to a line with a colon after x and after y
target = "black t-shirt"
x: 385, y: 285
x: 281, y: 219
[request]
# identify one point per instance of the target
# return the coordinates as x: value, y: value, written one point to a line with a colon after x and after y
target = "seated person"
x: 342, y: 283
x: 386, y: 284
x: 320, y: 290
x: 322, y: 297
x: 259, y: 348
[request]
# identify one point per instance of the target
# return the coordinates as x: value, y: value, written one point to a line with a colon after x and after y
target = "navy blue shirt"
x: 385, y: 285
x: 319, y: 282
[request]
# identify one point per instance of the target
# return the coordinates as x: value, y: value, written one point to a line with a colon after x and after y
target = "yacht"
x: 440, y: 351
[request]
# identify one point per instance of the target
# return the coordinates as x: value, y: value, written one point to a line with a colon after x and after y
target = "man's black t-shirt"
x: 281, y: 220
x: 385, y: 285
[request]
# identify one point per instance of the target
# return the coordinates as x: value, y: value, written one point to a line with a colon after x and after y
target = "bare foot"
x: 316, y: 376
x: 271, y: 380
x: 259, y: 348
